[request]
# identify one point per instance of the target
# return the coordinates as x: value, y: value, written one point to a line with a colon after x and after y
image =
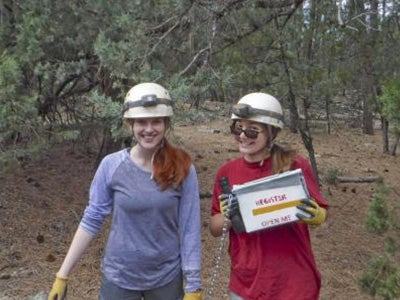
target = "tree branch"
x: 345, y: 179
x: 194, y: 60
x: 153, y: 49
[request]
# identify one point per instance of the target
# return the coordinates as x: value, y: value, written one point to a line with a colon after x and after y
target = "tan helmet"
x: 259, y: 107
x: 147, y: 100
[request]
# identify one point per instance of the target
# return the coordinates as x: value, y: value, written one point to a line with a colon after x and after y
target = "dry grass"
x: 40, y: 207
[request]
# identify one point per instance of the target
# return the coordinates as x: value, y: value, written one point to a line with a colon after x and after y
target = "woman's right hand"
x: 228, y: 205
x: 59, y: 289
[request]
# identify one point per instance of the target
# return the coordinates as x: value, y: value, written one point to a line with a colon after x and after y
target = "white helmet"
x: 259, y: 107
x: 147, y: 100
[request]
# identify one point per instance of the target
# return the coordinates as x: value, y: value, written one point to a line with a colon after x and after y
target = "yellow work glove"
x: 59, y: 289
x: 316, y: 214
x: 193, y: 296
x: 228, y: 205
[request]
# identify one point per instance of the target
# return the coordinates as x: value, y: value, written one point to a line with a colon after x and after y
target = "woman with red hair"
x: 151, y: 190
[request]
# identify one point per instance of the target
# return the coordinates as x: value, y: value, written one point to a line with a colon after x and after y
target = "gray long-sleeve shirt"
x: 154, y: 234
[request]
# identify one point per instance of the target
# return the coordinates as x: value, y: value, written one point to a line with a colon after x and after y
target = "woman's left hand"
x: 317, y: 214
x: 193, y: 296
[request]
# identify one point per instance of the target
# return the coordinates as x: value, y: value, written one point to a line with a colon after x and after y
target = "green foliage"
x: 179, y: 87
x: 103, y: 110
x: 18, y: 117
x: 332, y: 174
x: 66, y: 135
x: 61, y: 74
x: 382, y: 278
x: 378, y: 213
x: 390, y: 101
x: 194, y: 116
x: 390, y: 245
x: 114, y: 54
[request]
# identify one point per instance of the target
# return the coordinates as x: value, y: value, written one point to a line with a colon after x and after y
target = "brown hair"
x: 170, y: 165
x: 282, y: 157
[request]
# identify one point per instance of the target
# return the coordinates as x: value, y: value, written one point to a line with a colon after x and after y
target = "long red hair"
x: 170, y: 166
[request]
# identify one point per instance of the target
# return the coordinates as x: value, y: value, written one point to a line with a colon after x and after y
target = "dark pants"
x: 170, y: 291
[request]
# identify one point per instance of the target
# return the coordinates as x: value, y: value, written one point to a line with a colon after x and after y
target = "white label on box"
x: 263, y: 206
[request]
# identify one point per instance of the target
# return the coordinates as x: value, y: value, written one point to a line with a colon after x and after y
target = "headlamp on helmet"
x: 242, y: 110
x: 259, y: 107
x: 147, y: 100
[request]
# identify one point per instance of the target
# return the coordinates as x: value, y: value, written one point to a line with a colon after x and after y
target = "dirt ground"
x: 41, y: 205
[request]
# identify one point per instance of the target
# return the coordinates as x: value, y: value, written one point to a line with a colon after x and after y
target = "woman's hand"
x: 316, y: 214
x: 59, y: 289
x: 193, y: 296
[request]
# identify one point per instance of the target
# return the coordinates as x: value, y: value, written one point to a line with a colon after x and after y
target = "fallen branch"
x: 343, y: 179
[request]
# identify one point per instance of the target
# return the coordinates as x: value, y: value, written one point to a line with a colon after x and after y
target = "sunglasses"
x: 248, y: 132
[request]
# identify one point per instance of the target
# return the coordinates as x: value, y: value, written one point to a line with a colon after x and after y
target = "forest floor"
x: 42, y: 202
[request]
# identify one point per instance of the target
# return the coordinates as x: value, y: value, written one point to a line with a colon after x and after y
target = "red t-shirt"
x: 276, y: 263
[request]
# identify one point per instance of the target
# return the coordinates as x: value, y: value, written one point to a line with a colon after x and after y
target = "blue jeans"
x: 234, y: 296
x: 170, y: 291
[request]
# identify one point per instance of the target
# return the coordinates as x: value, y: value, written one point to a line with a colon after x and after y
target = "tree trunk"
x: 385, y: 134
x: 344, y: 179
x: 294, y: 116
x: 108, y: 145
x: 368, y: 120
x: 328, y: 113
x: 396, y: 142
x: 307, y: 141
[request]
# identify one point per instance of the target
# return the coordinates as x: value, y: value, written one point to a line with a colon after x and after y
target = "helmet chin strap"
x: 271, y: 138
x: 270, y: 143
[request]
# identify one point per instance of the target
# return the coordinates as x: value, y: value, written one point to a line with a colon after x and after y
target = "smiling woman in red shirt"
x: 275, y: 263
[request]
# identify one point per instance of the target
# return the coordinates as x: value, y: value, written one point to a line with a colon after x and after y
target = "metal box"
x: 271, y: 201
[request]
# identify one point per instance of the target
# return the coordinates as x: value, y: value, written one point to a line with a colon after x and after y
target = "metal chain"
x: 218, y: 258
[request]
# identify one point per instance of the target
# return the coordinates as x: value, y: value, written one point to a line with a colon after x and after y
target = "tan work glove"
x: 59, y: 289
x: 193, y: 296
x: 316, y: 215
